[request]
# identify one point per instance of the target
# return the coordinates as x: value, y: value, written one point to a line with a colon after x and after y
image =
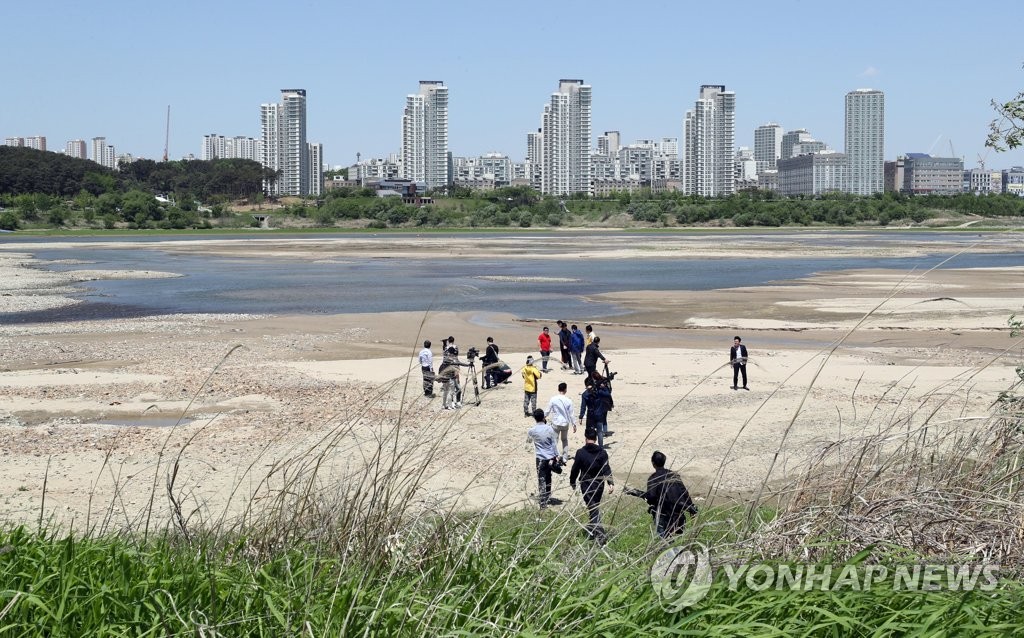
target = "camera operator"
x: 593, y: 353
x: 448, y: 374
x: 490, y: 363
x: 595, y: 403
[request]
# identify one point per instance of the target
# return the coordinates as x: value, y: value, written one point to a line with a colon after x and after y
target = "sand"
x: 99, y: 409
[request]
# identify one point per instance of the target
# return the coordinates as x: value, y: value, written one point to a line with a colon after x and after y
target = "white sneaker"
x: 458, y: 405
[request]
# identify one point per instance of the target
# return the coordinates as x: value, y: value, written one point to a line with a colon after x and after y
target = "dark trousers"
x: 543, y: 481
x: 737, y: 370
x: 592, y: 492
x: 428, y: 382
x: 566, y: 359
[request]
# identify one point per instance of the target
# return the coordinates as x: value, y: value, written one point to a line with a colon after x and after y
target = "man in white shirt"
x: 560, y: 417
x: 427, y: 366
x: 545, y: 446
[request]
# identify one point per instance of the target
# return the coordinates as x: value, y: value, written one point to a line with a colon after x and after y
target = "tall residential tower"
x: 565, y: 135
x: 425, y: 135
x: 865, y: 141
x: 284, y: 145
x: 767, y: 146
x: 709, y: 135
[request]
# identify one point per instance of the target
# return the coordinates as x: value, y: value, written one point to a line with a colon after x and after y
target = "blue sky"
x: 110, y: 68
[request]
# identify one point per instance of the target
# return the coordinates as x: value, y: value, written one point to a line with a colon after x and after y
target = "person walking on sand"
x: 545, y: 451
x: 595, y: 403
x: 592, y: 470
x: 590, y: 334
x: 576, y: 345
x: 544, y: 339
x: 564, y: 341
x: 530, y: 377
x: 560, y: 416
x: 738, y: 359
x: 427, y: 366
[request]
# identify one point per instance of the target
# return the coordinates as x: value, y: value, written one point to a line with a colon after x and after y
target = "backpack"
x: 675, y: 497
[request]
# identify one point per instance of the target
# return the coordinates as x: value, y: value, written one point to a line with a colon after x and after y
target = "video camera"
x: 610, y: 376
x: 472, y: 354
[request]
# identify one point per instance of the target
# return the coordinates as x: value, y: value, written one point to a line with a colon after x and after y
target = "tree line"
x: 49, y: 189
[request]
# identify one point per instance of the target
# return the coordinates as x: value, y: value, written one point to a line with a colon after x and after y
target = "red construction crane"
x: 167, y: 133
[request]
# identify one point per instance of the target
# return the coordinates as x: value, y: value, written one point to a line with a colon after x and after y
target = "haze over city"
x: 111, y: 69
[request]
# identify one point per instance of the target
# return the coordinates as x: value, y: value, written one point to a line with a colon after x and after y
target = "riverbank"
x: 253, y: 392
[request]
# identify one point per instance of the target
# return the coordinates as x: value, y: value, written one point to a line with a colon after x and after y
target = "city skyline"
x: 355, y: 88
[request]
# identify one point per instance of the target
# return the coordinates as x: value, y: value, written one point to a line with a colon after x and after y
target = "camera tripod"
x: 476, y: 384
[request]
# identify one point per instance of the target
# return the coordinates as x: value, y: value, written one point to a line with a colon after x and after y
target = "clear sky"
x: 111, y: 67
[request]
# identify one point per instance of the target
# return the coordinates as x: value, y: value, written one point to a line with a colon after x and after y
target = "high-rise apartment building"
x: 76, y: 149
x: 865, y: 140
x: 102, y: 153
x: 425, y: 135
x: 315, y: 152
x: 566, y: 131
x: 790, y: 139
x: 238, y: 147
x: 767, y: 146
x: 284, y: 145
x: 534, y: 158
x: 609, y: 143
x: 709, y: 137
x: 14, y: 141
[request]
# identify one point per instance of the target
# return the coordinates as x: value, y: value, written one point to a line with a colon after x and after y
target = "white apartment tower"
x: 767, y: 146
x: 534, y: 158
x: 315, y: 152
x: 609, y: 144
x: 425, y: 135
x: 865, y: 141
x: 284, y: 146
x: 77, y: 149
x: 102, y: 153
x: 709, y: 135
x: 566, y: 130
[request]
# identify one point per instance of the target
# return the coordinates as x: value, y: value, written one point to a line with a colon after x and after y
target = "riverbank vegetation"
x: 48, y: 190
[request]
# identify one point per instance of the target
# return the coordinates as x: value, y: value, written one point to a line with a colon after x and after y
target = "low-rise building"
x: 924, y: 174
x: 813, y: 174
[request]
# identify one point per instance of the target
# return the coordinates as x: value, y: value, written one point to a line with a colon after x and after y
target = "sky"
x: 78, y: 70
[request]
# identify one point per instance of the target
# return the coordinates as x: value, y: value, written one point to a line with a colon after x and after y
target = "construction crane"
x: 167, y: 132
x: 982, y: 158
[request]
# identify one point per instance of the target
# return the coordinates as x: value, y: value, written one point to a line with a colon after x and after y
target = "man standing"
x: 590, y: 466
x: 427, y: 366
x: 589, y: 329
x: 560, y: 416
x: 667, y: 498
x: 490, y: 363
x: 738, y: 359
x: 593, y: 353
x: 544, y: 339
x: 564, y: 340
x: 545, y: 450
x: 448, y: 373
x: 530, y: 376
x: 576, y: 346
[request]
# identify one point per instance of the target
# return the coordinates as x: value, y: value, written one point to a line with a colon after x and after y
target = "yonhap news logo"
x: 683, y: 576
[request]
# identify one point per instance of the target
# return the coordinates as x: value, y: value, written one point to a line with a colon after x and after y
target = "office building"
x: 425, y: 135
x: 767, y: 146
x: 865, y: 140
x: 790, y: 139
x: 813, y: 174
x: 709, y: 137
x: 565, y: 132
x: 924, y: 174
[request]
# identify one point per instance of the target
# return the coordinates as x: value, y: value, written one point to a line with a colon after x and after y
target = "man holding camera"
x: 668, y: 500
x: 490, y: 363
x: 448, y: 374
x: 595, y: 403
x: 545, y: 448
x: 593, y: 353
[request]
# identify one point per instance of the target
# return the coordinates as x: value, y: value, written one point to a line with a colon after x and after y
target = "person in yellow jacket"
x: 530, y: 376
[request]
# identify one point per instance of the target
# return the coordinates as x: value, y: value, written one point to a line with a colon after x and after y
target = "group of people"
x: 667, y: 498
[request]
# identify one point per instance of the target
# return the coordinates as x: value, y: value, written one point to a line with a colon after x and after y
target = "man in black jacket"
x: 564, y: 339
x: 738, y: 359
x: 592, y: 354
x: 591, y: 468
x: 667, y: 498
x: 490, y: 363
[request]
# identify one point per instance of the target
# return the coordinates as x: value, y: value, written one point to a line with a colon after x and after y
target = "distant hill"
x: 26, y: 170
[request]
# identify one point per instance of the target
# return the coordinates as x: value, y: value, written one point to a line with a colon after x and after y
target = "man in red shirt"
x: 545, y: 348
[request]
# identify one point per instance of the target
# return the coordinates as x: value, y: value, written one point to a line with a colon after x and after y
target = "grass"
x: 363, y: 554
